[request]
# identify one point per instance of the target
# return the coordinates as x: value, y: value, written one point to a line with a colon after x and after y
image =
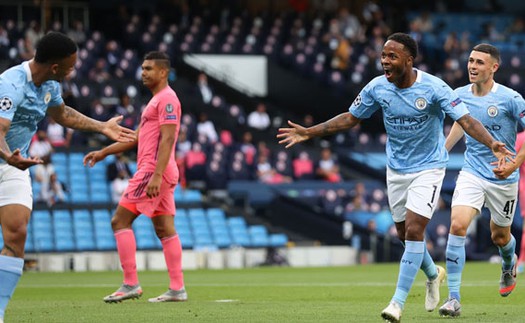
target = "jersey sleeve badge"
x: 6, y: 104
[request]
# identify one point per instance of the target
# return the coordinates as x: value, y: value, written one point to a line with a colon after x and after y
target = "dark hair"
x: 160, y: 58
x: 405, y: 39
x: 488, y: 49
x: 54, y: 46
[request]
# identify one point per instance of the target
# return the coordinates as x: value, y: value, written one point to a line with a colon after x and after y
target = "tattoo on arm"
x: 326, y: 130
x: 76, y: 120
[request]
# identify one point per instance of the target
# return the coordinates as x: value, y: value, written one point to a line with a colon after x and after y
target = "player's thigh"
x: 501, y: 201
x: 14, y: 219
x: 424, y: 191
x: 470, y: 191
x: 15, y: 187
x: 397, y: 188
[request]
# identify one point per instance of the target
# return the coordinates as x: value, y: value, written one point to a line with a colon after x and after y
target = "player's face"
x: 481, y: 67
x: 151, y: 73
x: 395, y: 61
x: 64, y: 67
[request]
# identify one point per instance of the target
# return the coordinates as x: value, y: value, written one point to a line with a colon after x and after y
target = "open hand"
x: 292, y: 136
x: 17, y: 160
x: 93, y: 157
x: 116, y: 132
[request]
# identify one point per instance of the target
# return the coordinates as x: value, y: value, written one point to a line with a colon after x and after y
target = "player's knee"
x: 117, y: 223
x: 414, y: 232
x: 500, y: 238
x: 458, y: 229
x: 164, y: 232
x: 15, y: 232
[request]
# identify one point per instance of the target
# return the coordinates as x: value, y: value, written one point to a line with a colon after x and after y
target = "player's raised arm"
x: 297, y: 133
x: 476, y: 130
x: 70, y: 118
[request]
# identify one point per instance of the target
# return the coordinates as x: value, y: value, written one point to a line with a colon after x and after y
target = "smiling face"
x: 397, y: 62
x: 481, y: 67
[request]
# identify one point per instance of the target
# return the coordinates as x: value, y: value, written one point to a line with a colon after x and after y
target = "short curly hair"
x: 405, y: 39
x: 54, y: 46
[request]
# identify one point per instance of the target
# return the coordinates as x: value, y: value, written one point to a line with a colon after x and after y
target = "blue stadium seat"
x: 42, y: 231
x: 278, y: 240
x: 30, y: 246
x: 104, y: 239
x: 83, y: 230
x: 216, y: 216
x: 63, y: 229
x: 222, y: 239
x: 100, y: 197
x: 237, y: 222
x: 258, y: 236
x: 79, y: 196
x: 59, y: 158
x: 191, y: 196
x: 186, y: 239
x: 240, y: 238
x: 145, y: 233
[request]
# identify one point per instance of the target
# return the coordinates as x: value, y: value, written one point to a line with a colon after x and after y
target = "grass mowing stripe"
x: 370, y: 284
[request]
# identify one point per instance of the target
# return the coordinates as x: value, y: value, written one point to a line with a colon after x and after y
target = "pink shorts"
x: 136, y: 200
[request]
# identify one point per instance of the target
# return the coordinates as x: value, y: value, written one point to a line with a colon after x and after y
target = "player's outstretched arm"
x: 93, y: 157
x: 297, y: 133
x: 14, y: 158
x: 502, y: 172
x: 70, y: 118
x: 477, y: 131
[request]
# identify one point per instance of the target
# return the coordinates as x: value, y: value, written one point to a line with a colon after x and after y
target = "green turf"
x: 339, y: 294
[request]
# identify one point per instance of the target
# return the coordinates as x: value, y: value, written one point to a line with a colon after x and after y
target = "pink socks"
x: 173, y: 255
x: 127, y: 249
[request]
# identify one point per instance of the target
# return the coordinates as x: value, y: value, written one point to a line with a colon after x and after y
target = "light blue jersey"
x: 499, y: 111
x: 413, y: 119
x: 25, y: 104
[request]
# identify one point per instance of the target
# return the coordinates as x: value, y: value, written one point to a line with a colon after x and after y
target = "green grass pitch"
x: 271, y: 294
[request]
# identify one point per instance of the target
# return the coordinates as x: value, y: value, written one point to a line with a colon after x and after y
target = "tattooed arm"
x: 70, y: 118
x: 297, y: 134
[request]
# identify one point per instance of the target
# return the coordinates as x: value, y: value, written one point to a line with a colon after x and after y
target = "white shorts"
x: 418, y: 192
x: 475, y: 192
x: 15, y: 186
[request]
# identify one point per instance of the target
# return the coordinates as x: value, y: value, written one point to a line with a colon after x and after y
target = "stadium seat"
x: 63, y: 230
x: 83, y: 230
x: 222, y: 239
x: 43, y: 231
x: 79, y: 196
x: 237, y: 222
x: 145, y: 233
x: 100, y: 196
x: 104, y: 239
x: 258, y: 236
x: 278, y: 240
x: 30, y: 246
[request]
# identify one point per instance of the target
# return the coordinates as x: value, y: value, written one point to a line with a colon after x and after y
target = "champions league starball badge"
x: 492, y: 111
x: 357, y: 100
x: 6, y: 104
